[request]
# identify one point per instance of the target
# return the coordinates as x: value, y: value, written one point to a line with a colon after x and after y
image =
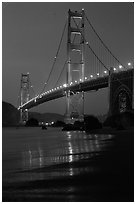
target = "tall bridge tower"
x: 75, y: 68
x: 24, y: 96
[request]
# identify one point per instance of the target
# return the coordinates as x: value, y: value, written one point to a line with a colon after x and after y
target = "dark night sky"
x: 31, y: 34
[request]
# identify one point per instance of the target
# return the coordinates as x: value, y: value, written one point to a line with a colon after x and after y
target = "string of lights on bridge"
x: 63, y: 86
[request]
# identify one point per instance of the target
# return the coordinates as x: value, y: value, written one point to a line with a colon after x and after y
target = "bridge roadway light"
x: 75, y: 81
x: 64, y: 85
x: 105, y: 72
x: 85, y: 78
x: 114, y: 69
x: 130, y: 65
x: 97, y: 74
x: 120, y: 66
x: 91, y: 76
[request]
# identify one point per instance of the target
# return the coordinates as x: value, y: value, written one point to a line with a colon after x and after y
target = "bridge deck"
x: 88, y: 85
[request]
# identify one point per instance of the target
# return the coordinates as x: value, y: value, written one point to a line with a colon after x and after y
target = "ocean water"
x: 53, y: 165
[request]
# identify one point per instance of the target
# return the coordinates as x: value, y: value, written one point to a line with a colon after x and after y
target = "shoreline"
x: 109, y: 177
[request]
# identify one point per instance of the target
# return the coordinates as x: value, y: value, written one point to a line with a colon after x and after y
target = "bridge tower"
x: 24, y: 96
x: 75, y: 67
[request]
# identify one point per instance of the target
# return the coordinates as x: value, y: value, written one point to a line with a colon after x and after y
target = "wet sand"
x: 109, y: 177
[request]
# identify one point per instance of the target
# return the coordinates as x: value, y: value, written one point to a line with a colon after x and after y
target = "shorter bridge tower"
x: 75, y: 68
x: 24, y: 96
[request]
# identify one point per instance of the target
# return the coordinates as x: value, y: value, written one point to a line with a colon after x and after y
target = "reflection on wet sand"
x: 69, y: 166
x: 76, y: 146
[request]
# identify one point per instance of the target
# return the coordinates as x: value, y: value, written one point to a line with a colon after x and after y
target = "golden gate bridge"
x: 105, y: 70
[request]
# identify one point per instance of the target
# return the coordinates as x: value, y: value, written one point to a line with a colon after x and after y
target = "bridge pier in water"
x: 75, y: 67
x: 23, y: 116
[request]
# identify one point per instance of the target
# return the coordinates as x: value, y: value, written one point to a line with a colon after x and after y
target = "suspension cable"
x: 96, y: 56
x: 91, y: 48
x: 103, y: 42
x: 64, y: 63
x: 18, y: 98
x: 61, y: 73
x: 105, y: 47
x: 55, y: 58
x: 31, y: 86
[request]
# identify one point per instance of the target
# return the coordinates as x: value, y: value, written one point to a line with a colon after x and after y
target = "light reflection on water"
x: 47, y: 153
x: 73, y: 150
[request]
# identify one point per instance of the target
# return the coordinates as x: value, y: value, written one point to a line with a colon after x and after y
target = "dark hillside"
x: 46, y: 117
x: 10, y: 115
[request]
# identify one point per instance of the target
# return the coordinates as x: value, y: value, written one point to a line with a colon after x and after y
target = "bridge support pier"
x: 75, y: 107
x: 120, y: 92
x: 23, y: 116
